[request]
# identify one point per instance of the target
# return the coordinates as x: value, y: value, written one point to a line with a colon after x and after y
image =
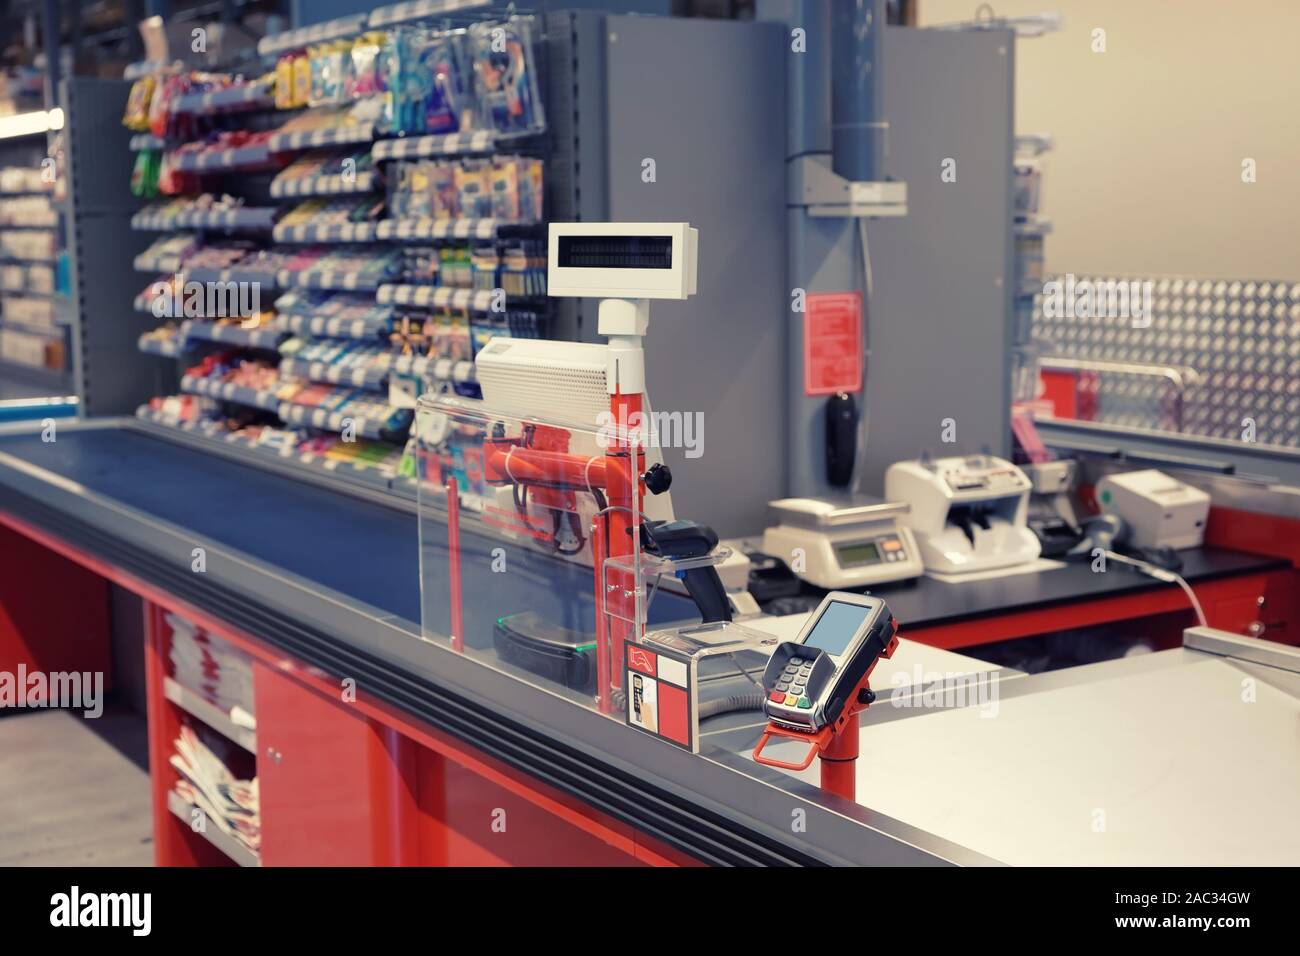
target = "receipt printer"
x: 1160, y: 512
x: 968, y: 513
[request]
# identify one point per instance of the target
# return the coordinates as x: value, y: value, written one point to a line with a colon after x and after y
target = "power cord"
x: 1162, y: 574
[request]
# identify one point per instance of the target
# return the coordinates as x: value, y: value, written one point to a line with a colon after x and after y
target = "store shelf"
x: 251, y: 157
x: 143, y: 141
x: 232, y: 334
x: 372, y: 477
x: 266, y: 280
x: 346, y: 135
x: 461, y: 372
x: 327, y: 279
x: 371, y: 377
x: 143, y: 68
x: 325, y: 232
x: 317, y: 33
x: 41, y: 375
x: 445, y: 144
x: 243, y: 219
x: 211, y: 832
x: 229, y: 392
x: 232, y: 99
x: 332, y: 185
x: 1037, y: 226
x: 440, y: 297
x: 425, y: 230
x: 167, y: 349
x: 145, y: 263
x: 335, y: 328
x: 30, y: 328
x: 212, y: 715
x: 396, y: 13
x: 328, y: 420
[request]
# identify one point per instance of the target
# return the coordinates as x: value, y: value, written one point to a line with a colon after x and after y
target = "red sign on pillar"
x: 832, y: 343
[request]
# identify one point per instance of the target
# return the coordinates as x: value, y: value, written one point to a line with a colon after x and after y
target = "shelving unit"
x: 210, y: 714
x: 409, y: 312
x: 228, y: 845
x: 34, y: 342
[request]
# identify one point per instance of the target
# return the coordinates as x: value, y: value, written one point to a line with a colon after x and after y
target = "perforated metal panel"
x: 1240, y: 340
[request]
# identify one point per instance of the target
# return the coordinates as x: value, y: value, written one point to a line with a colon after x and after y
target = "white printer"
x: 1160, y: 512
x: 968, y: 513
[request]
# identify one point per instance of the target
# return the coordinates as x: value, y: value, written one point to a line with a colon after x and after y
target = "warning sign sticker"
x: 832, y: 343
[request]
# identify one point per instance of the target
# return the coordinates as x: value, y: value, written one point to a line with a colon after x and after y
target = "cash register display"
x: 837, y: 626
x: 857, y: 552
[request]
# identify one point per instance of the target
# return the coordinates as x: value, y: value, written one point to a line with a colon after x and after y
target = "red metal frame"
x: 54, y: 614
x: 495, y: 773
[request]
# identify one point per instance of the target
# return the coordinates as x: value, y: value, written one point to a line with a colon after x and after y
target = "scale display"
x: 863, y: 552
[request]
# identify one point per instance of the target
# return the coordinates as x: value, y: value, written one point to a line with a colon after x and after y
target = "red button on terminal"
x: 777, y: 696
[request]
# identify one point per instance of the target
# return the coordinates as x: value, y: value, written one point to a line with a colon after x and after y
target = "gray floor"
x: 74, y: 792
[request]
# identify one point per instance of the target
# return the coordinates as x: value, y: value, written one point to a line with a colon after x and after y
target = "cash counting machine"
x: 968, y: 513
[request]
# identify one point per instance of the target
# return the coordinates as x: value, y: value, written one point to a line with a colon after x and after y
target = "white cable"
x: 1163, y: 574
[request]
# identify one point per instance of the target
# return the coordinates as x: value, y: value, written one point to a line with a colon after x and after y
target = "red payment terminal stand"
x: 816, y: 685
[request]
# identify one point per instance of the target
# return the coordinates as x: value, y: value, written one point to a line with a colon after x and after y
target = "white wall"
x: 1146, y: 175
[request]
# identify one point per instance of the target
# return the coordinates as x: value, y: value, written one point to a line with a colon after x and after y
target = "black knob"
x: 658, y: 479
x: 866, y: 697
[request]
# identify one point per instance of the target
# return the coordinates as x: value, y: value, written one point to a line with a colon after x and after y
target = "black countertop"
x: 927, y: 602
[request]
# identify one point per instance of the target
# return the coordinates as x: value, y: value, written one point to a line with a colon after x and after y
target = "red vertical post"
x: 839, y: 762
x: 604, y: 692
x: 453, y: 550
x: 622, y: 485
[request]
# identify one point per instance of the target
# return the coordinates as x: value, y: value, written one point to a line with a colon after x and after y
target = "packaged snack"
x: 136, y: 116
x: 365, y: 77
x: 474, y: 190
x: 284, y: 82
x: 302, y: 80
x: 505, y: 189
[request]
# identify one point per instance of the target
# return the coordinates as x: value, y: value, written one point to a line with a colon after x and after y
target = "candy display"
x: 343, y: 236
x: 509, y: 188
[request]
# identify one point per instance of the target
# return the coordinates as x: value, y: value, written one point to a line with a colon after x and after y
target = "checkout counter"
x: 1179, y: 757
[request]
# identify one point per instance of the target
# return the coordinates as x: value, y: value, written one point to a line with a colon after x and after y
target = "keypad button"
x: 783, y: 685
x: 777, y: 696
x: 791, y: 700
x: 796, y: 688
x: 804, y: 703
x: 796, y: 661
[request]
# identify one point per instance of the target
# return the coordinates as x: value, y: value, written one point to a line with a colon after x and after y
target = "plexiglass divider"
x: 530, y: 544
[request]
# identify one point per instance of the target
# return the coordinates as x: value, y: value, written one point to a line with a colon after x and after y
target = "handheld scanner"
x: 820, y: 679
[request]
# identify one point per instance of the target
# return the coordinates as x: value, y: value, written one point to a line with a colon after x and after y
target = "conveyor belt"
x: 357, y: 549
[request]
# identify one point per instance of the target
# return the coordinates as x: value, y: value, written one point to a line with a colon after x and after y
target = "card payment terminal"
x: 819, y: 680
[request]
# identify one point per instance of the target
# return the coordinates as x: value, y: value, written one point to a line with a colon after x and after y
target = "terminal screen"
x: 836, y: 627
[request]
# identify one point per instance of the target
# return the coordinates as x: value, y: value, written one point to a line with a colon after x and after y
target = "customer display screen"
x: 836, y: 627
x: 616, y: 252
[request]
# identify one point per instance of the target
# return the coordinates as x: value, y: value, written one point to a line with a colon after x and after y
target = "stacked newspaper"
x: 220, y: 673
x: 228, y: 803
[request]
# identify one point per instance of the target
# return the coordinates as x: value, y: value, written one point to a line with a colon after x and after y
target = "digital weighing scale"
x: 843, y: 543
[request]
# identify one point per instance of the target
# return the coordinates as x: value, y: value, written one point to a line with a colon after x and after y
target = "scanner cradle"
x: 815, y: 686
